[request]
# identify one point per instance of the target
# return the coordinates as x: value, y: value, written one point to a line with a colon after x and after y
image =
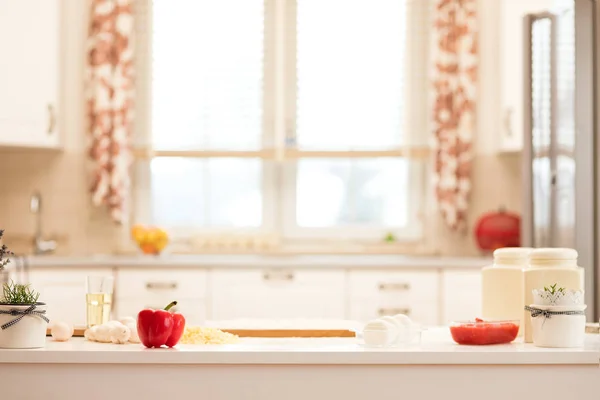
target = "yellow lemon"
x: 138, y: 233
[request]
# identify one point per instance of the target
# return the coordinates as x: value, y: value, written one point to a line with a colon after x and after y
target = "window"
x: 305, y: 118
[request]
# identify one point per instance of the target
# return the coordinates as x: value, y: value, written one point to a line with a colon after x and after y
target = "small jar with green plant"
x: 23, y: 320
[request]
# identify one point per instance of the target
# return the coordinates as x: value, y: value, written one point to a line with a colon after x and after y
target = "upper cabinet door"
x: 512, y: 40
x: 30, y: 38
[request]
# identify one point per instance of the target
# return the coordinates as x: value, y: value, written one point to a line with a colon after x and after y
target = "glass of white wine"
x: 99, y: 299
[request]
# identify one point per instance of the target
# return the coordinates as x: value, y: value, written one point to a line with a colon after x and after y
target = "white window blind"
x: 352, y: 68
x: 207, y: 74
x: 351, y: 71
x: 207, y: 94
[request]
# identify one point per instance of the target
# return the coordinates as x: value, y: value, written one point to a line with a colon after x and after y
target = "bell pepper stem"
x: 171, y: 304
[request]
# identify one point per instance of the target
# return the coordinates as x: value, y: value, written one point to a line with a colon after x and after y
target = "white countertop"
x: 436, y: 348
x: 259, y: 261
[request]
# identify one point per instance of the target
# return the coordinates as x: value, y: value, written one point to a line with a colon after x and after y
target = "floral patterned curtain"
x: 109, y: 96
x: 455, y: 82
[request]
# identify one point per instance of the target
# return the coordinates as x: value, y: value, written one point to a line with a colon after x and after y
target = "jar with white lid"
x: 549, y: 266
x: 502, y: 285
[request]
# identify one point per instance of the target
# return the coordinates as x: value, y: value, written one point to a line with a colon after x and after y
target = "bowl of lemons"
x: 150, y: 239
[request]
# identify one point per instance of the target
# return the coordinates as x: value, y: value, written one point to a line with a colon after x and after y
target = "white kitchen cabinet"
x: 373, y: 294
x: 30, y: 39
x: 277, y: 294
x: 512, y: 14
x: 64, y: 290
x: 139, y: 288
x: 461, y: 295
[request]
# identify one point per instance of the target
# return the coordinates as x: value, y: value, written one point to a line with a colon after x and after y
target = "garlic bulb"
x: 119, y: 334
x: 114, y: 332
x: 61, y: 331
x: 88, y: 334
x: 102, y: 333
x: 93, y: 332
x: 131, y: 323
x: 134, y: 338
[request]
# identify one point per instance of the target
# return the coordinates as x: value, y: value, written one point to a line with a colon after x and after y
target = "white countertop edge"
x: 341, y: 352
x: 304, y: 358
x: 261, y: 261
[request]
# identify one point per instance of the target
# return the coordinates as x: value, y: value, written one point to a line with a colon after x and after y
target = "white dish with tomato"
x: 481, y: 332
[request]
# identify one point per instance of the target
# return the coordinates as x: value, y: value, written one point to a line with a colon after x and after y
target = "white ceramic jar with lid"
x: 549, y: 266
x: 503, y: 285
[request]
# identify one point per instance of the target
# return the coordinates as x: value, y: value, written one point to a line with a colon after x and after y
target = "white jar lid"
x: 512, y: 252
x: 551, y: 253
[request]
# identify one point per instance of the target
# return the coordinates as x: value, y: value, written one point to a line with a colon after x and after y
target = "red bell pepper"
x: 158, y: 328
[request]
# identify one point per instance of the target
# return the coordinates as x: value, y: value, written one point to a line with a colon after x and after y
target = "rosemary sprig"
x: 13, y: 293
x: 553, y: 290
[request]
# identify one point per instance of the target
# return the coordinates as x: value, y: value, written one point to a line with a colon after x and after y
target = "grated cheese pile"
x: 198, y: 335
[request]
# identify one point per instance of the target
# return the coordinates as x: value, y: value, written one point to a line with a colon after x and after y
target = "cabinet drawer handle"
x: 161, y: 285
x: 279, y: 276
x: 51, y: 119
x: 394, y: 287
x: 393, y: 311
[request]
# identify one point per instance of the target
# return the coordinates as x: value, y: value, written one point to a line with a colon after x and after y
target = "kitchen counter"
x: 295, y: 369
x: 261, y: 261
x: 301, y: 369
x: 436, y: 348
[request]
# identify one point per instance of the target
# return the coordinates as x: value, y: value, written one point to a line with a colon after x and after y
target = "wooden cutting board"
x: 78, y: 332
x: 592, y: 328
x: 266, y: 333
x: 288, y: 333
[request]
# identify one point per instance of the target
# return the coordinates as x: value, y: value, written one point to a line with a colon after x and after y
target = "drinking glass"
x: 99, y: 299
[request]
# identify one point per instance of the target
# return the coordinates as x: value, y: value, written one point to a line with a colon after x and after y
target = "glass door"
x: 550, y: 125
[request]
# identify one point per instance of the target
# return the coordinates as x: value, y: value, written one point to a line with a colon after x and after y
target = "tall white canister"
x: 547, y: 267
x: 503, y: 285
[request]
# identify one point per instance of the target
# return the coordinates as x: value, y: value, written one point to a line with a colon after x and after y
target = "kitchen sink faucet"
x: 40, y: 246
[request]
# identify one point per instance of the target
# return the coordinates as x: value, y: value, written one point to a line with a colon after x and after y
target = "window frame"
x: 279, y: 155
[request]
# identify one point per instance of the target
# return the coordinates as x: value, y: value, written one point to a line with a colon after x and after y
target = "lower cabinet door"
x: 375, y: 294
x: 277, y: 294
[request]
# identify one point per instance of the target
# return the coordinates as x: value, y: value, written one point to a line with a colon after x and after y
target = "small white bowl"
x: 379, y: 333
